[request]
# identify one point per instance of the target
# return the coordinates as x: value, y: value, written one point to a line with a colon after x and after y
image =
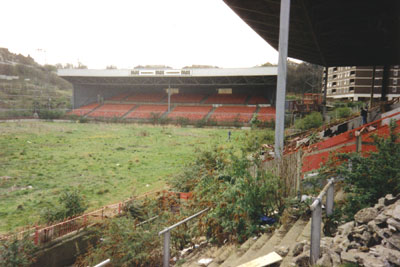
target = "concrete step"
x: 238, y: 252
x: 252, y: 252
x: 296, y: 234
x: 223, y: 256
x: 199, y: 253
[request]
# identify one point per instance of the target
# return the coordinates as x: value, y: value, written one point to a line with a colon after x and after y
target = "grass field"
x: 106, y: 162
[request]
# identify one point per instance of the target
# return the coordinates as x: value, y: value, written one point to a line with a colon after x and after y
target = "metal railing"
x: 167, y: 236
x: 316, y: 219
x: 103, y: 263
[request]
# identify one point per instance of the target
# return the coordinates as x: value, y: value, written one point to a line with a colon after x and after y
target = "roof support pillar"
x: 371, y: 100
x: 325, y: 92
x: 282, y: 73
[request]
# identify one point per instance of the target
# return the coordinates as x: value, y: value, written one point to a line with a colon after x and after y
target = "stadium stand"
x: 82, y: 111
x: 111, y: 110
x: 119, y: 97
x: 258, y: 99
x: 145, y: 111
x: 232, y: 113
x: 190, y: 112
x: 266, y: 114
x: 146, y: 97
x: 226, y: 99
x: 186, y: 98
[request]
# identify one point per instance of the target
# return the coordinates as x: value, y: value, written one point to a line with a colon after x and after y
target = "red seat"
x: 190, y: 112
x: 145, y: 97
x: 226, y: 99
x: 83, y: 110
x: 145, y: 111
x: 266, y: 114
x: 258, y: 99
x: 186, y: 98
x: 232, y: 113
x: 119, y: 97
x: 111, y: 110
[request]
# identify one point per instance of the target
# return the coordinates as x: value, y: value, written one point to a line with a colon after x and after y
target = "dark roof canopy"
x: 330, y: 32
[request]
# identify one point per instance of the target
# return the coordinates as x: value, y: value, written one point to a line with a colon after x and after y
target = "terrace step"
x: 238, y: 252
x: 129, y: 111
x: 304, y: 235
x: 212, y: 252
x: 252, y: 251
x: 99, y: 106
x: 271, y: 242
x: 209, y: 113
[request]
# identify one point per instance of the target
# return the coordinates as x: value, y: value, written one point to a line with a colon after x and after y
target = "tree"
x: 111, y: 67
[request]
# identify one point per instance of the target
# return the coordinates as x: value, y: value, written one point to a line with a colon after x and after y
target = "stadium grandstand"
x: 220, y: 95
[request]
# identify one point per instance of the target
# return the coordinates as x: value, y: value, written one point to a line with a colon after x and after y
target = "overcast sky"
x: 127, y: 33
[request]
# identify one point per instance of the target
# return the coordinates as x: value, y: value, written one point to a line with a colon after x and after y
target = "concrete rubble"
x: 372, y: 239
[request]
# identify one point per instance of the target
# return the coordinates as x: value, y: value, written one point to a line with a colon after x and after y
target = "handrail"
x: 183, y: 221
x: 103, y: 263
x: 316, y: 219
x: 167, y: 236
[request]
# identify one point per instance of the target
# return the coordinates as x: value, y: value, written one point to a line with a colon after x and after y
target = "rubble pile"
x: 372, y: 239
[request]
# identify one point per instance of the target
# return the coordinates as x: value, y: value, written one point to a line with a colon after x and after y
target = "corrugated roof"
x: 330, y: 33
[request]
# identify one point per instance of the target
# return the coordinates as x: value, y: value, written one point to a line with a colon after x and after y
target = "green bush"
x: 17, y: 252
x: 372, y: 177
x: 313, y: 120
x: 238, y: 200
x: 182, y: 121
x: 200, y: 123
x: 343, y: 112
x: 70, y: 204
x: 50, y: 114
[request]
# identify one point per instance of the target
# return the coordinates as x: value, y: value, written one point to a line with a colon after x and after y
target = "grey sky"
x: 128, y: 33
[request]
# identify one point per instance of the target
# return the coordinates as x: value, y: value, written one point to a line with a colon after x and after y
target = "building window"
x: 396, y: 73
x: 333, y: 91
x: 394, y: 81
x: 351, y: 89
x: 334, y: 83
x: 394, y: 89
x: 352, y: 81
x: 353, y: 72
x: 334, y: 76
x: 335, y: 69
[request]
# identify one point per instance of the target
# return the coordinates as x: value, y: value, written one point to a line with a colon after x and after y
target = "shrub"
x: 238, y: 200
x: 15, y: 252
x: 372, y: 177
x: 343, y: 112
x: 71, y: 204
x: 182, y: 121
x: 50, y: 114
x: 313, y: 120
x: 200, y: 123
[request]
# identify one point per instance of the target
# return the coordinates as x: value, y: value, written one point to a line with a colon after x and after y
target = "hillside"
x: 25, y: 85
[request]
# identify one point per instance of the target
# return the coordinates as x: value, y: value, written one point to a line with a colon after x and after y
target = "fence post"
x: 330, y: 198
x: 315, y: 233
x: 36, y: 239
x: 167, y: 236
x: 119, y: 208
x: 358, y: 143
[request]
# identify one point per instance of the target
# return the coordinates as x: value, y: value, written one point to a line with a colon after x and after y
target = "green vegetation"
x: 106, y: 162
x: 70, y: 204
x: 15, y: 252
x: 313, y: 120
x: 343, y: 112
x: 35, y: 87
x: 372, y: 177
x: 220, y: 178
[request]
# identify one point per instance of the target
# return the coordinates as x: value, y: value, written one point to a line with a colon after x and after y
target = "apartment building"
x: 355, y: 82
